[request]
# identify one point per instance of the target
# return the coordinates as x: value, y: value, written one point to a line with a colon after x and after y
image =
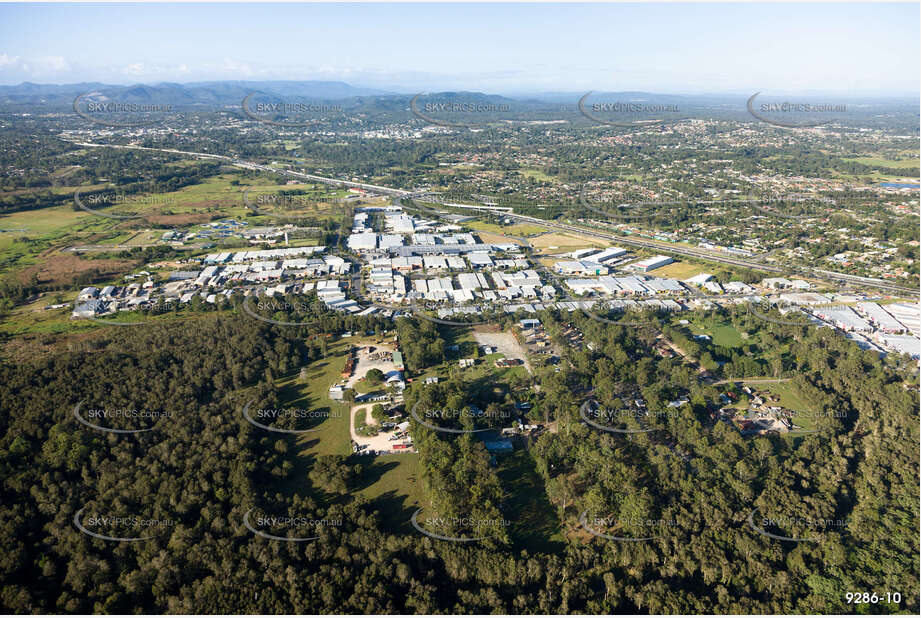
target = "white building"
x: 580, y: 268
x: 656, y: 261
x: 611, y: 253
x: 363, y: 241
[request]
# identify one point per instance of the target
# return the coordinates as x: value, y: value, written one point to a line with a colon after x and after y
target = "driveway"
x: 379, y: 443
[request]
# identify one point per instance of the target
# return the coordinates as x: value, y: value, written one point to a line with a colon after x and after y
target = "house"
x: 529, y: 323
x: 466, y: 362
x: 396, y: 380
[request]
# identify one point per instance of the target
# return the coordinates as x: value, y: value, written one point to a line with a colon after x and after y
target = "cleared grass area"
x: 726, y: 335
x: 680, y: 270
x: 489, y: 237
x: 881, y: 162
x: 533, y: 520
x: 49, y: 221
x: 535, y: 174
x: 722, y: 332
x: 519, y: 229
x: 558, y: 242
x: 332, y: 434
x: 787, y: 395
x: 394, y: 484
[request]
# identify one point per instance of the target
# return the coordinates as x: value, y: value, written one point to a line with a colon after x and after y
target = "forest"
x: 202, y: 467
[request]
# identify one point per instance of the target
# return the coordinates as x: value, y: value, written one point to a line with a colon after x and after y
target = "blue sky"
x: 510, y: 48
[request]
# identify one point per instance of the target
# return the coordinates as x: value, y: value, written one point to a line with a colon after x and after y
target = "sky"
x: 496, y: 48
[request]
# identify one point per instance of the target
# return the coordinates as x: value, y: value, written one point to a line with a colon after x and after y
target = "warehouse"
x: 388, y: 241
x: 364, y: 241
x: 472, y: 281
x: 580, y: 268
x: 656, y: 261
x: 479, y: 259
x: 611, y: 253
x: 699, y: 280
x: 880, y: 318
x: 844, y: 318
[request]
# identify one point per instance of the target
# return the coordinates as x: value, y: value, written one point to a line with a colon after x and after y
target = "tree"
x: 374, y: 376
x: 378, y: 414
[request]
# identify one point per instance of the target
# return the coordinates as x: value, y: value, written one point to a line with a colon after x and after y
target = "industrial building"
x: 656, y: 261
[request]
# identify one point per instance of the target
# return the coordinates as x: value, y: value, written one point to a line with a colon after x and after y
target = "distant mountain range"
x: 196, y: 93
x: 231, y: 93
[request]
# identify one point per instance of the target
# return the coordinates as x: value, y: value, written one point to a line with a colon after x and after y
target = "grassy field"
x: 722, y: 332
x: 880, y: 162
x: 394, y: 484
x: 332, y: 435
x: 489, y: 237
x: 535, y: 174
x: 680, y: 270
x: 534, y: 523
x: 559, y: 242
x: 787, y: 394
x: 390, y: 481
x: 519, y: 229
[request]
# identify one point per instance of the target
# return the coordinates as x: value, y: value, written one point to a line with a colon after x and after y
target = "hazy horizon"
x: 511, y: 49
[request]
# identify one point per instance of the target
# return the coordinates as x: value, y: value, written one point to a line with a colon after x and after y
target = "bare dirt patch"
x: 489, y: 237
x: 504, y: 342
x: 26, y: 348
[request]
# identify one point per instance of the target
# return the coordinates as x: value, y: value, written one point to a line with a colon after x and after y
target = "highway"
x: 644, y: 243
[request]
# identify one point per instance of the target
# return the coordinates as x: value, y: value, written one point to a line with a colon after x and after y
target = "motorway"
x: 649, y: 244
